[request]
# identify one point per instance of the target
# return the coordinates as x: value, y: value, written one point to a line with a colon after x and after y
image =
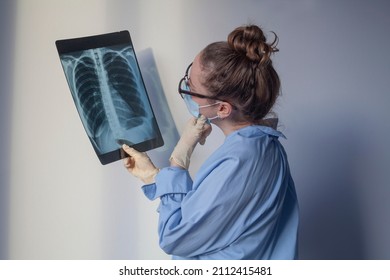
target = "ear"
x: 224, y: 110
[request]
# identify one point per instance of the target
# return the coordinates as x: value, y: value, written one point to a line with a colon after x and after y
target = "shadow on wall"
x: 157, y: 97
x: 331, y: 221
x: 7, y: 13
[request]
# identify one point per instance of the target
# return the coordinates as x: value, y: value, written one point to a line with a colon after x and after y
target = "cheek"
x: 209, y: 112
x: 199, y: 101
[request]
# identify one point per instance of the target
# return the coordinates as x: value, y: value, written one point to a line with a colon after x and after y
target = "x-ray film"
x: 109, y: 93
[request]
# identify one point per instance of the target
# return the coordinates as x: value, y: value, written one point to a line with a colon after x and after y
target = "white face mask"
x: 194, y: 107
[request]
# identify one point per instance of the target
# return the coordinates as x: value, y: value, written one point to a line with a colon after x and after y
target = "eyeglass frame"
x: 185, y: 79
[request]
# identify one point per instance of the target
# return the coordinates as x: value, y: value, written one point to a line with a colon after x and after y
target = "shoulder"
x: 252, y: 139
x: 245, y: 145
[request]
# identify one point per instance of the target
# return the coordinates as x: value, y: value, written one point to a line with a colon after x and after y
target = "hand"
x: 140, y: 165
x: 196, y: 131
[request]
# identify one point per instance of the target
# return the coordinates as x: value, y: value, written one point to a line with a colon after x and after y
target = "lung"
x: 122, y: 80
x: 88, y: 93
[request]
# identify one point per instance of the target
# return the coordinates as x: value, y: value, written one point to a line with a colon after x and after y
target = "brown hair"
x: 241, y: 72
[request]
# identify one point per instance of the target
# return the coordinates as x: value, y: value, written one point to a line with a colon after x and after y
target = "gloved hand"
x: 196, y: 131
x: 140, y: 165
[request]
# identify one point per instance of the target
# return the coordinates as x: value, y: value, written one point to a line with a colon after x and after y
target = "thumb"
x: 130, y: 151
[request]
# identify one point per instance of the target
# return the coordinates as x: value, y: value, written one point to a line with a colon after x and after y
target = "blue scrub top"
x: 242, y: 203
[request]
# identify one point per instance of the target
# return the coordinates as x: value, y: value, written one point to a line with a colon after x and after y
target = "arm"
x: 140, y: 165
x: 199, y: 218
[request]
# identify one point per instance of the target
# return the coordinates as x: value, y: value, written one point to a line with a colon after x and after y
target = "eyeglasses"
x: 184, y: 87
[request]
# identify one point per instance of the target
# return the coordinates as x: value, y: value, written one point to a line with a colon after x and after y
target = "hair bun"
x: 251, y: 42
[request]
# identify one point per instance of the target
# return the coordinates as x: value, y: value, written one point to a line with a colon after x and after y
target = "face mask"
x: 194, y: 107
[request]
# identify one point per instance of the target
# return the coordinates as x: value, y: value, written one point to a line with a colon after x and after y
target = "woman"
x: 242, y: 202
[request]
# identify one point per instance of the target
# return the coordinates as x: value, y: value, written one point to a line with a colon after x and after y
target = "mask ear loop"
x: 217, y: 116
x: 209, y: 105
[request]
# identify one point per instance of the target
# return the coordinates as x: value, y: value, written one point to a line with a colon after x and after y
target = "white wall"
x: 63, y: 203
x: 334, y: 65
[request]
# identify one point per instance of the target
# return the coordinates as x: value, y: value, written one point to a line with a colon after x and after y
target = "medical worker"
x: 242, y: 202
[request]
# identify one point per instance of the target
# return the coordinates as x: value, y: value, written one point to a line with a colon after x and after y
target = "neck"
x: 228, y: 127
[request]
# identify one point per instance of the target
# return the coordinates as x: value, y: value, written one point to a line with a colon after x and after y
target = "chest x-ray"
x: 110, y: 96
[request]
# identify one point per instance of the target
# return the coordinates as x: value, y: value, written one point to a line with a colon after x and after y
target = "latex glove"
x: 195, y: 131
x: 140, y: 165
